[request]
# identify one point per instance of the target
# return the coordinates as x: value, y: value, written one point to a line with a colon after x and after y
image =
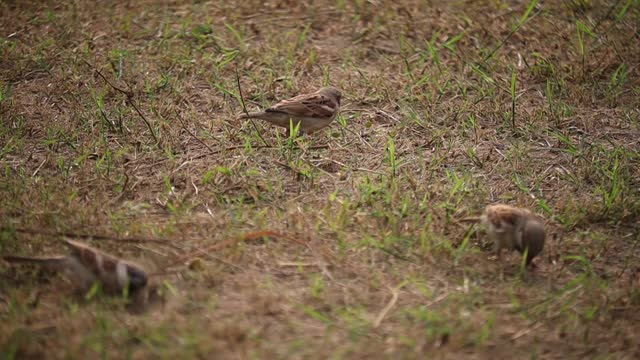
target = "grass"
x: 118, y: 120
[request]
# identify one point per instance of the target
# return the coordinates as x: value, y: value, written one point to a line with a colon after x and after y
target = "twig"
x: 394, y: 297
x: 626, y: 262
x: 310, y: 163
x: 40, y: 166
x: 605, y: 17
x: 501, y: 44
x: 394, y: 254
x: 229, y: 242
x: 437, y: 300
x: 280, y: 19
x: 230, y: 264
x: 297, y: 263
x: 184, y: 126
x: 236, y: 147
x: 128, y: 94
x: 168, y: 242
x: 155, y: 251
x: 524, y: 332
x: 130, y: 101
x: 244, y: 108
x: 153, y: 134
x: 348, y: 167
x: 315, y: 147
x: 288, y: 167
x: 359, y: 137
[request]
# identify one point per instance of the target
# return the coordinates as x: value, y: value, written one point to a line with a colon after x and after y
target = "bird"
x: 312, y: 111
x: 514, y: 228
x: 85, y: 266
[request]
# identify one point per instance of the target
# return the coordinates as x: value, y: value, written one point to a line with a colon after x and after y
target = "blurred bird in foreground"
x: 85, y: 266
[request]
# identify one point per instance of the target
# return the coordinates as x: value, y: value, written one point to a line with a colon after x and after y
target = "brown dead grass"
x: 78, y: 157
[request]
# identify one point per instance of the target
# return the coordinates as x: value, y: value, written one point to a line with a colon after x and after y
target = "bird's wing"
x: 503, y: 216
x: 307, y: 105
x: 114, y: 272
x: 95, y: 260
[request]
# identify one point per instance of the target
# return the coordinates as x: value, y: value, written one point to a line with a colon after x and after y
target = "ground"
x: 118, y: 122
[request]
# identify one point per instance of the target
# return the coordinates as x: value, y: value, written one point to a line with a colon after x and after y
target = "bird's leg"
x: 497, y: 247
x: 499, y: 253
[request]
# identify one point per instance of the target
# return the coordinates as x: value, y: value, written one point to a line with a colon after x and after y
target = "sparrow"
x: 85, y: 266
x: 312, y: 111
x: 514, y: 228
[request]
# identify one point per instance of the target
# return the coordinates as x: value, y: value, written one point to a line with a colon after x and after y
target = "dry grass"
x: 447, y: 107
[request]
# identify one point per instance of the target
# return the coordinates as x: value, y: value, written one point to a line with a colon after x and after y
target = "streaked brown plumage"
x: 514, y: 229
x: 86, y: 265
x: 312, y: 111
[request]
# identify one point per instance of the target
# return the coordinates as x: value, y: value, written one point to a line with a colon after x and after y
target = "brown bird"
x: 85, y: 266
x: 514, y: 228
x: 312, y: 111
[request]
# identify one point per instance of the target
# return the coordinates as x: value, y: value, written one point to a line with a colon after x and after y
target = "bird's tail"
x: 252, y: 115
x: 471, y: 219
x: 45, y: 261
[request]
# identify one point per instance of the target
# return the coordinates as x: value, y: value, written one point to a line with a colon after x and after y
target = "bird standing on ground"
x: 514, y: 228
x: 312, y: 111
x: 85, y: 266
